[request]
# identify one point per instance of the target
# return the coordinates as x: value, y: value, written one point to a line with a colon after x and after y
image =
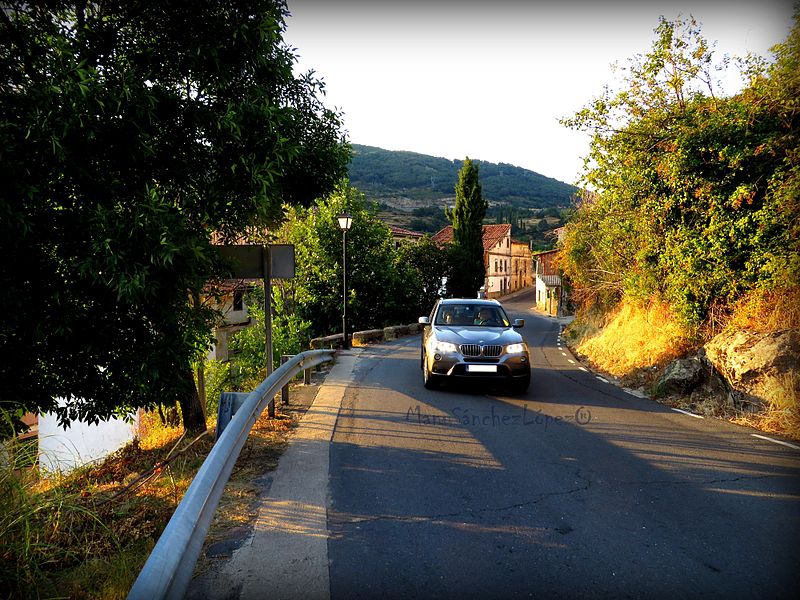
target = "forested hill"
x: 386, y: 174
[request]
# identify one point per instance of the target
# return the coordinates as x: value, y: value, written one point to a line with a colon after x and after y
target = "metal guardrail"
x: 168, y: 570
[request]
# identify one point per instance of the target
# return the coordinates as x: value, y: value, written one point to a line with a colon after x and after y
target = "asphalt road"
x: 574, y: 489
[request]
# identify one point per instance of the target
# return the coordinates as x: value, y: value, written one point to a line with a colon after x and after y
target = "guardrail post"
x: 285, y: 389
x: 306, y: 376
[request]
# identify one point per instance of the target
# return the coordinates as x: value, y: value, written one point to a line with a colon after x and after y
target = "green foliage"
x: 43, y: 530
x: 422, y: 267
x: 386, y: 285
x: 387, y: 173
x: 130, y: 132
x: 467, y: 219
x: 289, y: 336
x: 695, y: 197
x: 218, y: 378
x: 372, y: 280
x: 427, y: 219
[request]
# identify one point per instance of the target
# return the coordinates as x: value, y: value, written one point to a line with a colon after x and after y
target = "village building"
x: 522, y: 269
x: 549, y: 290
x: 400, y: 235
x: 506, y: 271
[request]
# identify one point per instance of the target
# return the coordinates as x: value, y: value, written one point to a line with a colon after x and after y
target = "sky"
x: 491, y: 79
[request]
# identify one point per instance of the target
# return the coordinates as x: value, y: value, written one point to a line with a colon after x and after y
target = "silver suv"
x: 473, y: 338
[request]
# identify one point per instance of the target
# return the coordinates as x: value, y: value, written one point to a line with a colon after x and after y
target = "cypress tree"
x: 468, y: 273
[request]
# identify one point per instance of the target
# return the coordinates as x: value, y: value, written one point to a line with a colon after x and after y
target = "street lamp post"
x: 345, y: 220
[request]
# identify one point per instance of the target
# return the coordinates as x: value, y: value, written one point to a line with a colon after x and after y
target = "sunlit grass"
x: 782, y: 414
x: 87, y: 534
x: 773, y: 310
x: 635, y: 337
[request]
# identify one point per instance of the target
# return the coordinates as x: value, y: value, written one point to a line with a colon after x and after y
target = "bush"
x: 289, y: 336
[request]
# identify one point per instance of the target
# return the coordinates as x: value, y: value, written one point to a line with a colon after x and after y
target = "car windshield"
x: 475, y: 315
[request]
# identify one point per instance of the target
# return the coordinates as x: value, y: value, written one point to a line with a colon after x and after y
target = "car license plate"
x: 481, y: 368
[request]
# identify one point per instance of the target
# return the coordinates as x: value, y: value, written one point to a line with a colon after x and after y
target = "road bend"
x: 575, y: 489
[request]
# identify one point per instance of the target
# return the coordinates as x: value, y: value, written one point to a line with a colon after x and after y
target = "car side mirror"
x: 519, y: 323
x: 424, y: 321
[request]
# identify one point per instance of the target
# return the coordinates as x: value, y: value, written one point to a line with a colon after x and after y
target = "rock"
x: 681, y: 376
x: 746, y: 358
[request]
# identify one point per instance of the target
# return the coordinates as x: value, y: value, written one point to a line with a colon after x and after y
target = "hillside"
x: 408, y: 180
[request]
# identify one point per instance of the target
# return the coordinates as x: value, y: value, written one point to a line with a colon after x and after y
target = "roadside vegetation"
x: 691, y: 226
x: 87, y: 534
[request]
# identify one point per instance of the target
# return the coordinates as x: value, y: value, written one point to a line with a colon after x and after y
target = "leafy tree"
x: 694, y: 193
x: 131, y: 131
x: 423, y: 266
x: 373, y: 284
x: 467, y: 219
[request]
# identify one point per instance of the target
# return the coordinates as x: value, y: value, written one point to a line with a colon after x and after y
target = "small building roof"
x: 550, y: 280
x: 400, y: 232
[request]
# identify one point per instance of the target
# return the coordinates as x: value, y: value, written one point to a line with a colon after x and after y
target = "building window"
x: 495, y: 266
x: 238, y: 300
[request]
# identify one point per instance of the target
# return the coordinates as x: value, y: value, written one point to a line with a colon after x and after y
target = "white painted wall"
x: 66, y: 449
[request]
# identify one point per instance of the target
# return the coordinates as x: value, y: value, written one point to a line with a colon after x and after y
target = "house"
x: 228, y: 297
x: 522, y: 269
x: 400, y: 235
x: 502, y: 272
x: 549, y: 291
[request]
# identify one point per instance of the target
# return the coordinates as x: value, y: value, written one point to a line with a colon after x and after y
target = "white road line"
x: 601, y: 379
x: 781, y: 442
x: 570, y: 361
x: 584, y: 369
x: 684, y: 412
x: 563, y: 354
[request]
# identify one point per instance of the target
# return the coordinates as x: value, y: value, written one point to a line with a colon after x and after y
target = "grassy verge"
x: 631, y: 343
x: 87, y: 534
x: 782, y: 413
x: 634, y: 343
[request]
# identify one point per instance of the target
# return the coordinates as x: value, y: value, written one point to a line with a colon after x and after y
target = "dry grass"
x: 775, y: 310
x: 634, y: 342
x: 782, y: 416
x: 87, y: 534
x: 636, y: 337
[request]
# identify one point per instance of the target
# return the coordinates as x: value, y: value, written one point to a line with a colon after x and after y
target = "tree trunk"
x: 194, y: 419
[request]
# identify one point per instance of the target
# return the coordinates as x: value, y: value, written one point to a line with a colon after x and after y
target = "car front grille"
x: 476, y: 350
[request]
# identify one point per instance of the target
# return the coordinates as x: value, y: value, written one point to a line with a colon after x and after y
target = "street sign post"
x: 273, y: 261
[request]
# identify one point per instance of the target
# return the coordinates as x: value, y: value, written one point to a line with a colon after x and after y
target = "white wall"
x: 65, y: 449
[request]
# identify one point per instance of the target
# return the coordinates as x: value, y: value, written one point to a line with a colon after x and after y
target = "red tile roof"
x: 399, y: 231
x: 492, y: 234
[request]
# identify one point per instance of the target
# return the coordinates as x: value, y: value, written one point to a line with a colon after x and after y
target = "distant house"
x: 228, y: 297
x: 503, y: 274
x: 522, y: 269
x: 400, y: 235
x: 549, y: 291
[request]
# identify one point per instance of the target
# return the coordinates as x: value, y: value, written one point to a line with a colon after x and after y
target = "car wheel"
x: 430, y: 380
x: 521, y: 385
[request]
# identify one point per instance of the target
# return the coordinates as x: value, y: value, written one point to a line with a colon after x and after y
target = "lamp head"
x: 345, y: 220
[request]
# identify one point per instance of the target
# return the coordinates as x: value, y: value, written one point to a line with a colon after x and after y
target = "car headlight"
x: 444, y: 347
x: 515, y: 349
